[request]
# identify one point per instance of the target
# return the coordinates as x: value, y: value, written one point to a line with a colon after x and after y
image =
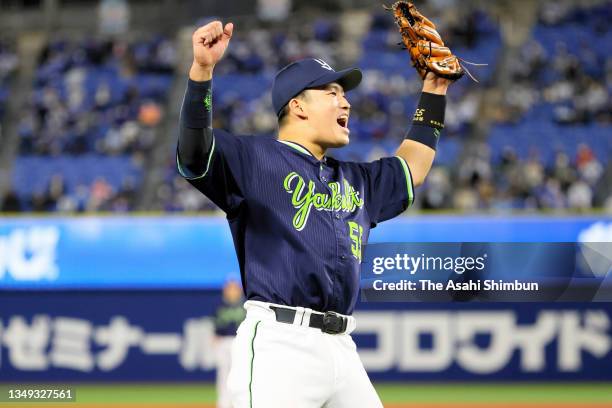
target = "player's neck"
x: 289, y: 134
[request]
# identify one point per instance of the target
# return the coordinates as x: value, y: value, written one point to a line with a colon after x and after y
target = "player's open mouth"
x: 343, y: 121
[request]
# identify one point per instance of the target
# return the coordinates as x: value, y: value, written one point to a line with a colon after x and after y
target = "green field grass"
x: 460, y: 393
x: 508, y: 393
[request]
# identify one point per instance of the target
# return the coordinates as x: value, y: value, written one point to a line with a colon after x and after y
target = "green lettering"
x: 303, y: 202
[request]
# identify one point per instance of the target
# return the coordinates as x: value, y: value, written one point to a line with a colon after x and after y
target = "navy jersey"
x: 298, y: 224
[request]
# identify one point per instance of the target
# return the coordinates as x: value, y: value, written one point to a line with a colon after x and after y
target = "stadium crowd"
x: 95, y: 102
x: 558, y: 112
x: 548, y: 146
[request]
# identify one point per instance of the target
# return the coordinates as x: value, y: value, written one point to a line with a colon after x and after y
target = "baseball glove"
x: 427, y: 50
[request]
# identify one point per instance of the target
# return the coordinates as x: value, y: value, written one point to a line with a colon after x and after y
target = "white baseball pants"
x: 281, y: 365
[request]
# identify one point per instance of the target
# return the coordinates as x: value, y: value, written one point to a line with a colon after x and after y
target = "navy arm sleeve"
x: 213, y: 161
x: 195, y: 130
x: 388, y: 188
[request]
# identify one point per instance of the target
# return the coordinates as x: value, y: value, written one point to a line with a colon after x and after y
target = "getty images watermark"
x: 458, y: 265
x: 487, y: 272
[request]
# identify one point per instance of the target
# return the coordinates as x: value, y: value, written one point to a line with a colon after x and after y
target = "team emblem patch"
x: 324, y: 64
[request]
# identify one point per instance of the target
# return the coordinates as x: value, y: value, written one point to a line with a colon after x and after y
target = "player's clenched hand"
x: 209, y: 44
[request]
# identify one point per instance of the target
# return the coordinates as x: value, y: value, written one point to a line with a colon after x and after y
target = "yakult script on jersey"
x: 346, y: 201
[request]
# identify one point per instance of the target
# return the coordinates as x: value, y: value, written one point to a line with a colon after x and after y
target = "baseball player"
x: 228, y: 317
x: 299, y: 220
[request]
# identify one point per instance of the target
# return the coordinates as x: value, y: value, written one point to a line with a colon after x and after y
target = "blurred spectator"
x: 8, y: 60
x: 273, y: 10
x: 437, y: 192
x: 550, y: 195
x: 114, y: 17
x: 8, y: 66
x: 101, y: 192
x: 10, y: 203
x: 580, y: 196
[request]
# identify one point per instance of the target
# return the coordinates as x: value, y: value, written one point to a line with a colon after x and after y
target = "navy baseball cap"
x: 309, y: 73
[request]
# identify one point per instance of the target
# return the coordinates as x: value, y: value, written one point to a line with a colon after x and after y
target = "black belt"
x: 328, y: 322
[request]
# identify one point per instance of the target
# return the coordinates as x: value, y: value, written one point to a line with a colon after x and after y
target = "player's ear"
x: 297, y: 107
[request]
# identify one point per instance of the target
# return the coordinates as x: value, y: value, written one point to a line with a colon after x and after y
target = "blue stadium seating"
x: 546, y: 139
x: 33, y: 173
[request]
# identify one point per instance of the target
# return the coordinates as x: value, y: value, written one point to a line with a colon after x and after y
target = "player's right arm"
x: 195, y: 134
x: 213, y: 161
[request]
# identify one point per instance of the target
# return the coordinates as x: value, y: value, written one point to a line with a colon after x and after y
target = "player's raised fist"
x: 210, y: 42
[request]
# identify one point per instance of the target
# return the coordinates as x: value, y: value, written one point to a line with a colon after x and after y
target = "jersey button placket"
x: 339, y: 228
x: 324, y: 175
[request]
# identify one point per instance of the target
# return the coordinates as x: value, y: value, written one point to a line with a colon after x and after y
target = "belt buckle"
x: 333, y: 323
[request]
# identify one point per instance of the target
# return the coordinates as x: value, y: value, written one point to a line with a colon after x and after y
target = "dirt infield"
x: 411, y: 405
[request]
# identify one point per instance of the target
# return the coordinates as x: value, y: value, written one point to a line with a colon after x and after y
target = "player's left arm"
x: 419, y: 147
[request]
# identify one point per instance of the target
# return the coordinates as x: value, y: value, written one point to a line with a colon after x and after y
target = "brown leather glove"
x: 426, y: 47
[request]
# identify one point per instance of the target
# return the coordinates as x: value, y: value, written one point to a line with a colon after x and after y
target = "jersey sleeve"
x: 223, y: 180
x: 388, y: 188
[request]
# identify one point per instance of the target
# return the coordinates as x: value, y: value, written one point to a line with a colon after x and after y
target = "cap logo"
x: 324, y: 64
